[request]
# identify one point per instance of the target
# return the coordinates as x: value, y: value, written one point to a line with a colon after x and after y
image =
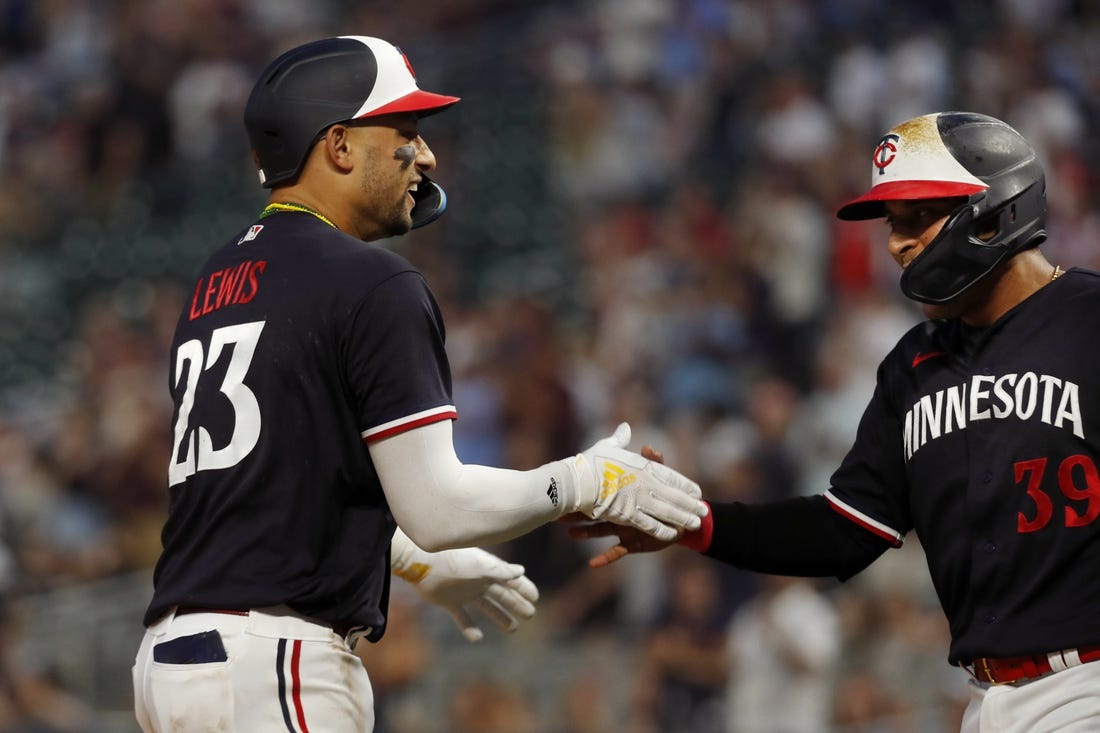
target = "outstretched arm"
x: 801, y: 537
x: 442, y: 503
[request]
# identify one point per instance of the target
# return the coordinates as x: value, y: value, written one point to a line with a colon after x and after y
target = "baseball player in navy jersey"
x: 313, y: 417
x: 981, y: 435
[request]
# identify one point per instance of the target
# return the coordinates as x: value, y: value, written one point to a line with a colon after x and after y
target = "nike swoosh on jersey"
x: 926, y: 356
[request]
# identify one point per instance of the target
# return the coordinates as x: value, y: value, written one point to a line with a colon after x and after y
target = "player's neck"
x: 1021, y: 277
x: 300, y: 198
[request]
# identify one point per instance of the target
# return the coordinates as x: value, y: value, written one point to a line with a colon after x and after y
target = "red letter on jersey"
x: 194, y: 313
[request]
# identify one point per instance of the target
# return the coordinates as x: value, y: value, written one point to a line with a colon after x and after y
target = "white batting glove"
x: 469, y: 576
x: 616, y: 485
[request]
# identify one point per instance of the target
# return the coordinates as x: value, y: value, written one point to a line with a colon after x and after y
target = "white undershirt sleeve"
x: 441, y: 503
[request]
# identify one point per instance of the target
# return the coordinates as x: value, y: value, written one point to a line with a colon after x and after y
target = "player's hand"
x: 465, y: 578
x: 631, y: 541
x: 632, y: 490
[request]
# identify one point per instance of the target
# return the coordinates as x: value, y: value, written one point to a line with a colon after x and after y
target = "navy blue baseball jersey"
x: 299, y: 346
x: 985, y: 443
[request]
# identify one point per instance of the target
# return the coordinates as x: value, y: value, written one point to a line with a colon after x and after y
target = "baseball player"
x: 313, y: 416
x: 981, y: 435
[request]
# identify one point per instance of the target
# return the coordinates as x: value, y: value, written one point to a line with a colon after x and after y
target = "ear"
x: 337, y: 146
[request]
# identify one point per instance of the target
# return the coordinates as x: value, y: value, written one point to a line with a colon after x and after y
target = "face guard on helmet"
x: 309, y: 88
x: 951, y: 154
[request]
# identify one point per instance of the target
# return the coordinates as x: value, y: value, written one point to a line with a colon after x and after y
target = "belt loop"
x: 1064, y: 659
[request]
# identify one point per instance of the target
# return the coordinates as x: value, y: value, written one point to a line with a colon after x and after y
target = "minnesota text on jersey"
x: 1027, y: 396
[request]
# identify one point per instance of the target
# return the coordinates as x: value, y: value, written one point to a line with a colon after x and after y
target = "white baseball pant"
x: 271, y: 670
x: 1067, y: 702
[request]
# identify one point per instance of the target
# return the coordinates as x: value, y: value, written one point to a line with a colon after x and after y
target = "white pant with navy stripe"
x: 271, y: 670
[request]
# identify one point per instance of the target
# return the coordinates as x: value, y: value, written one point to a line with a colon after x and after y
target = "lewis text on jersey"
x: 1027, y: 396
x: 237, y: 284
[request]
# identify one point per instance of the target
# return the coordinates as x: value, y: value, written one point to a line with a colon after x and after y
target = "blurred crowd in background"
x: 640, y: 228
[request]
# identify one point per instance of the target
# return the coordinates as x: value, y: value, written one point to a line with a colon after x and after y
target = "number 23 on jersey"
x: 193, y: 450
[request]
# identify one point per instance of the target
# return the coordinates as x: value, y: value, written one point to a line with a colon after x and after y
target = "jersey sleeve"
x: 799, y: 536
x: 870, y: 488
x: 398, y: 371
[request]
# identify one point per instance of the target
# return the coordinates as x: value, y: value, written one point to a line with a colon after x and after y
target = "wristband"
x: 699, y: 539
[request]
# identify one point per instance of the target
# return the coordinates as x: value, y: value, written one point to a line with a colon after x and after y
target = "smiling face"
x: 392, y: 162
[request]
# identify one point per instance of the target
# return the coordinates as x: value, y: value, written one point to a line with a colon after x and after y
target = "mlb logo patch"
x: 252, y: 233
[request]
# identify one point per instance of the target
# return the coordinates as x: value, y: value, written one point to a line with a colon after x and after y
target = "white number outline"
x: 243, y: 337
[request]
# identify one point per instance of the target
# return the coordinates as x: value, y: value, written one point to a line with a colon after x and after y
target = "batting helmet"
x: 959, y: 154
x: 318, y: 84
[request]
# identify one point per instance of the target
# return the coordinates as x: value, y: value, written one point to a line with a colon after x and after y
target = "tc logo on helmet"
x: 885, y: 152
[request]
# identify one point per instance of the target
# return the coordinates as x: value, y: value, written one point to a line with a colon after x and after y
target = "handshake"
x: 645, y: 503
x: 618, y: 486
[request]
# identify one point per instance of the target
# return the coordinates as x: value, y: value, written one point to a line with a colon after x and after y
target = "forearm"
x: 798, y: 537
x: 481, y: 505
x: 441, y: 503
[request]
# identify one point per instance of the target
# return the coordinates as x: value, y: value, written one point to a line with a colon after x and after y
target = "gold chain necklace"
x: 277, y: 207
x: 1058, y: 272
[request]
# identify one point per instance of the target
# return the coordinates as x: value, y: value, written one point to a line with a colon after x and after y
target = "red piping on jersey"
x: 397, y: 429
x: 894, y: 541
x: 296, y: 684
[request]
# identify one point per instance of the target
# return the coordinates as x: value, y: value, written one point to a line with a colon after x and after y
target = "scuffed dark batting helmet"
x: 318, y: 84
x: 951, y: 154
